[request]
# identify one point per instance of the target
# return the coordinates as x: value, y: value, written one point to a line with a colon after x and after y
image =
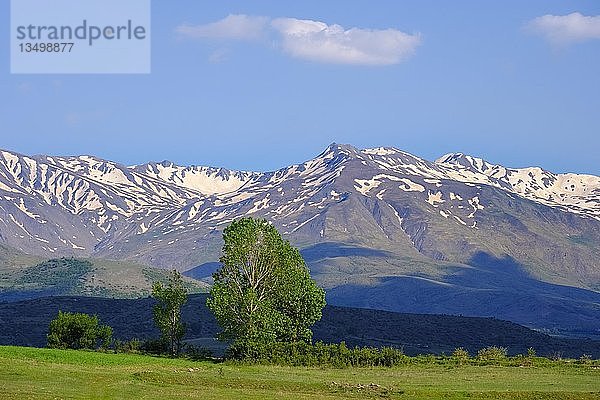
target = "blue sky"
x: 428, y: 77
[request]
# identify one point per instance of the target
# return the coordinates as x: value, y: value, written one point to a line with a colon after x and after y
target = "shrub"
x: 460, y: 354
x: 78, y: 331
x: 198, y: 353
x: 390, y: 356
x: 585, y: 359
x: 128, y: 346
x: 155, y: 346
x: 555, y: 356
x: 430, y: 358
x: 492, y: 353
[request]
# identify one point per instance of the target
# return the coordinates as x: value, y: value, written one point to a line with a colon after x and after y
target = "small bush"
x: 128, y: 346
x: 492, y: 353
x: 390, y: 356
x: 555, y: 356
x: 155, y: 346
x: 78, y: 331
x: 585, y: 359
x: 198, y: 353
x: 460, y: 354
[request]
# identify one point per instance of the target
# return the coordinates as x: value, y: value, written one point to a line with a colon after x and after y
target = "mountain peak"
x: 337, y: 148
x: 476, y: 164
x: 458, y: 158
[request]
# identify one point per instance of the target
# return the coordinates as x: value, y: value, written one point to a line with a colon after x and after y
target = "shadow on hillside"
x: 26, y: 323
x: 203, y: 272
x: 488, y: 287
x: 310, y: 254
x: 320, y: 251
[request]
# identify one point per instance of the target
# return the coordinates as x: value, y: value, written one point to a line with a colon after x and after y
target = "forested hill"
x: 25, y: 323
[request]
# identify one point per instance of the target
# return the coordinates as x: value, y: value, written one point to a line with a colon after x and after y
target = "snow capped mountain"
x: 88, y: 206
x: 379, y: 227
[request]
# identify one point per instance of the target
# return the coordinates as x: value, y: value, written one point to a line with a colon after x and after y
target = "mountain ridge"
x: 103, y: 193
x: 177, y: 173
x: 371, y: 220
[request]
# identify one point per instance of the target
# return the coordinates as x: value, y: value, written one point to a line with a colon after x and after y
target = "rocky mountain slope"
x: 379, y: 227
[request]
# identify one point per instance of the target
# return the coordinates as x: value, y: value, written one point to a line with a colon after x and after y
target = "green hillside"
x: 24, y: 277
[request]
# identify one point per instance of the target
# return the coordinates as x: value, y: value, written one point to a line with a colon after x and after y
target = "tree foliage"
x: 167, y: 310
x: 263, y: 290
x: 78, y: 331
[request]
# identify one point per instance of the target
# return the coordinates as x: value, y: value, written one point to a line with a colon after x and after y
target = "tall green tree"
x: 263, y: 290
x: 78, y: 331
x: 167, y: 310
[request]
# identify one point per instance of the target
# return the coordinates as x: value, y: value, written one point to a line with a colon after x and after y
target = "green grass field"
x: 29, y: 373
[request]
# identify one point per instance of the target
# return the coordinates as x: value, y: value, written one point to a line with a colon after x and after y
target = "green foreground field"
x: 29, y: 373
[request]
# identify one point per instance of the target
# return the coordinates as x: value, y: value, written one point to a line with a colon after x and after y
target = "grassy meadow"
x: 30, y: 373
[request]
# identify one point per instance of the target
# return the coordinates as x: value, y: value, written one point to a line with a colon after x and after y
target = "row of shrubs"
x: 493, y: 354
x: 318, y: 354
x: 93, y: 335
x: 341, y: 356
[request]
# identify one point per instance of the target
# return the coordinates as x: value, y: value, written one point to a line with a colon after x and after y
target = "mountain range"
x: 379, y: 228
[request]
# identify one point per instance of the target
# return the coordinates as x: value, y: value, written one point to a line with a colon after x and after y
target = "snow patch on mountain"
x: 410, y: 186
x: 435, y: 198
x: 206, y: 180
x: 576, y: 193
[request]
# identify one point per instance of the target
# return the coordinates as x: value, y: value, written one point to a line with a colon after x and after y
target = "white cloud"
x: 566, y: 29
x: 313, y: 40
x: 218, y: 56
x: 317, y: 41
x: 238, y: 27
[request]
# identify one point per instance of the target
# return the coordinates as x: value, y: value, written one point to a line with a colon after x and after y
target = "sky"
x: 258, y: 85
